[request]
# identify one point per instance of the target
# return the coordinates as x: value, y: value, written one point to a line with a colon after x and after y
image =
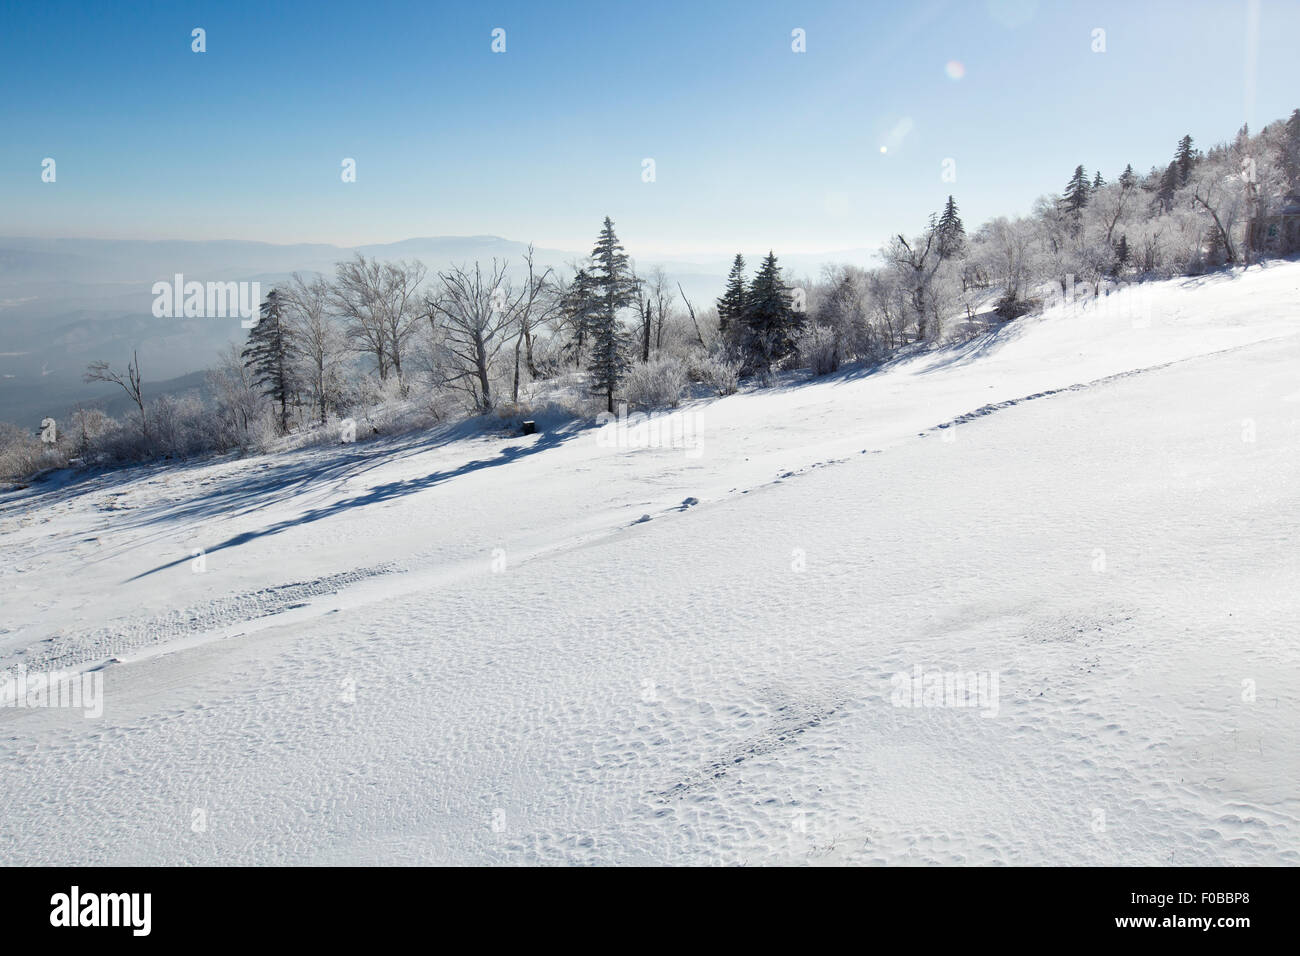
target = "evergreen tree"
x: 771, y: 324
x: 1217, y: 248
x: 1168, y: 186
x: 1291, y: 151
x: 579, y: 307
x: 1076, y: 191
x: 1184, y: 159
x: 731, y: 307
x: 269, y: 355
x: 1127, y: 179
x: 951, y: 232
x: 1097, y: 181
x: 1122, y: 254
x: 614, y: 288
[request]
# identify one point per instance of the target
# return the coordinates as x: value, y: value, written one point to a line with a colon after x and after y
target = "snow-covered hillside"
x: 450, y: 648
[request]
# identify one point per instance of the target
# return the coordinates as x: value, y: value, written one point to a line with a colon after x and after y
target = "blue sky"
x: 755, y: 146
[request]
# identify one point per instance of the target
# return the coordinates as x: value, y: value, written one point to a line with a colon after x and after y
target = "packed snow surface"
x: 460, y: 647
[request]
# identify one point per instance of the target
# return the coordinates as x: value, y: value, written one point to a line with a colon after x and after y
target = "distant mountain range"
x: 67, y: 302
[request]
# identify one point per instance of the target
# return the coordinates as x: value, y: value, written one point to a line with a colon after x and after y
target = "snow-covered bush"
x: 719, y: 373
x: 656, y: 383
x: 85, y: 425
x: 820, y: 350
x: 121, y: 443
x: 182, y: 427
x: 23, y: 454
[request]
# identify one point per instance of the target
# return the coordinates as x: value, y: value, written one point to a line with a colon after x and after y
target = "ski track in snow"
x: 72, y: 651
x: 1079, y: 386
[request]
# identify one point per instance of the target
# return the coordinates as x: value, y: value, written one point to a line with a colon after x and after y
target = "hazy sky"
x: 754, y: 145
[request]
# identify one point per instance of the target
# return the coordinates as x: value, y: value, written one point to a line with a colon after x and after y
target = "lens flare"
x: 955, y: 69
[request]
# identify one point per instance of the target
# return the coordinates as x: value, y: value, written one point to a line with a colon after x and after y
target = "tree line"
x: 389, y: 342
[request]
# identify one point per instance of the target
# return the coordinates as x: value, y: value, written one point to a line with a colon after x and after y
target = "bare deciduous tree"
x: 475, y: 310
x: 378, y: 301
x: 662, y: 297
x: 319, y: 339
x: 1003, y: 246
x: 240, y: 401
x: 691, y: 311
x: 1221, y: 196
x: 101, y: 371
x: 645, y: 311
x: 539, y: 301
x: 917, y: 262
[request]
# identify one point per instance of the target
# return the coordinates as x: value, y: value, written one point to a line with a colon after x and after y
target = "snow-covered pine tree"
x: 614, y: 288
x: 1122, y: 254
x: 1128, y: 178
x: 771, y: 323
x: 270, y: 354
x: 1184, y: 159
x: 1076, y: 191
x: 1168, y: 186
x: 951, y: 232
x: 579, y: 306
x: 1097, y: 181
x: 731, y: 307
x: 1291, y: 151
x: 1217, y: 249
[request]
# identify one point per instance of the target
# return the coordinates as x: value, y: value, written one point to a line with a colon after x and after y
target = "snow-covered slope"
x: 477, y: 649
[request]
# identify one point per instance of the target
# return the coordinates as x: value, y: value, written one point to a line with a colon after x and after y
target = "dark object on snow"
x: 1010, y: 307
x: 529, y: 427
